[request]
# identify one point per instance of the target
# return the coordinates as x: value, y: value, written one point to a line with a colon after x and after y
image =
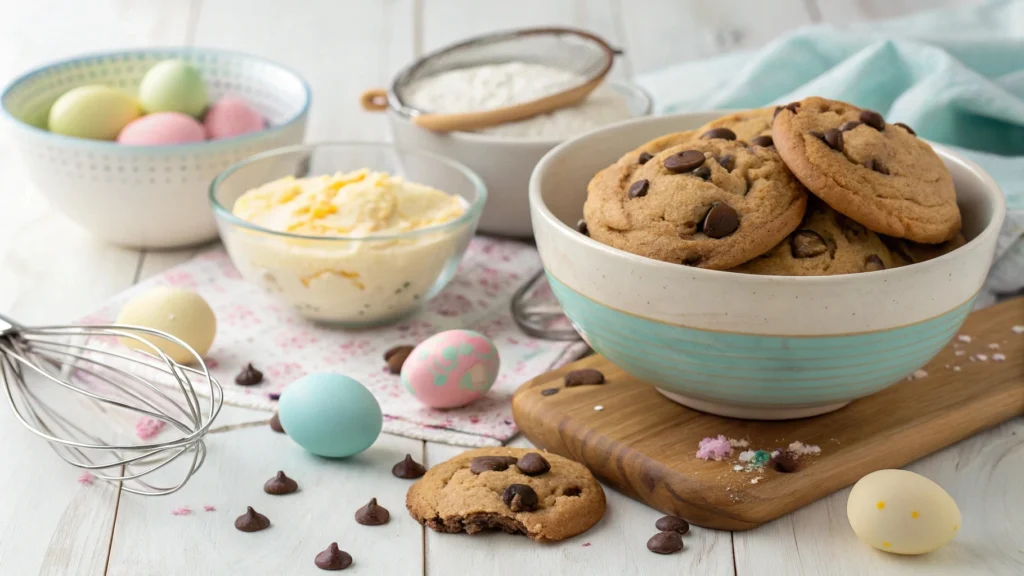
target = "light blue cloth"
x: 956, y: 77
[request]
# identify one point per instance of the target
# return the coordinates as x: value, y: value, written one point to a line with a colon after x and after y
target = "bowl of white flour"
x: 504, y: 155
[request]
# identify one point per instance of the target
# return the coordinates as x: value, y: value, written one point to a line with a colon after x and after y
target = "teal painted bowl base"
x: 751, y: 412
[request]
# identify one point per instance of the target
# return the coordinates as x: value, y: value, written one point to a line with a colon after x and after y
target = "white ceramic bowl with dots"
x: 147, y: 196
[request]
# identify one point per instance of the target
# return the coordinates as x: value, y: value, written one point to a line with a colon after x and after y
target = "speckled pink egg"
x: 451, y: 369
x: 162, y: 128
x: 231, y: 116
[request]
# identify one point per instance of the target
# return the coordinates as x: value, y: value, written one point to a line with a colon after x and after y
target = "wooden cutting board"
x: 644, y: 444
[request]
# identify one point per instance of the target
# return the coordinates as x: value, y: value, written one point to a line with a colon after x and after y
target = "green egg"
x: 95, y: 112
x: 173, y: 86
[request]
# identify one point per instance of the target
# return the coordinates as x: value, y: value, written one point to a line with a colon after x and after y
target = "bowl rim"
x: 170, y: 51
x: 472, y: 213
x: 991, y: 189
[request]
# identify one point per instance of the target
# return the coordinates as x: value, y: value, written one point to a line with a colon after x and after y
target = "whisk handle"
x: 8, y: 325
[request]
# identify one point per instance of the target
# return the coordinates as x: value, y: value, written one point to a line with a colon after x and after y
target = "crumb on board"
x: 181, y: 511
x: 964, y: 338
x: 993, y: 346
x: 737, y: 468
x: 960, y: 352
x: 798, y: 448
x: 1018, y: 329
x: 746, y: 456
x: 742, y: 443
x: 956, y: 368
x: 756, y: 480
x: 86, y: 479
x: 981, y: 357
x: 999, y: 357
x: 598, y: 408
x: 917, y: 375
x: 714, y: 448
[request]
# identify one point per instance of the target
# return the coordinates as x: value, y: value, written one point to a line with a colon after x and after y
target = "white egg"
x: 902, y: 512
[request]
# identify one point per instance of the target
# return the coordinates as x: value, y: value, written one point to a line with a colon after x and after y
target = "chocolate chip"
x: 333, y: 559
x: 728, y: 162
x: 834, y: 139
x: 644, y: 157
x: 873, y: 263
x: 275, y: 424
x: 684, y: 161
x: 873, y: 119
x: 763, y: 141
x: 672, y: 524
x: 807, y: 244
x: 907, y: 128
x: 482, y: 464
x: 549, y: 392
x: 533, y: 464
x: 719, y: 133
x: 408, y: 469
x: 249, y: 376
x: 584, y: 377
x: 721, y: 221
x: 252, y: 521
x: 703, y: 172
x: 274, y: 396
x: 665, y: 543
x: 785, y: 463
x: 817, y: 134
x: 520, y: 498
x: 876, y: 166
x: 639, y: 188
x: 852, y: 229
x: 280, y: 484
x: 372, y: 514
x: 849, y: 125
x: 581, y: 227
x: 396, y: 357
x: 792, y: 107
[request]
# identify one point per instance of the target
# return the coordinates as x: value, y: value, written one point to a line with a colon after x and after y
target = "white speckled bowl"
x: 147, y: 196
x: 747, y: 346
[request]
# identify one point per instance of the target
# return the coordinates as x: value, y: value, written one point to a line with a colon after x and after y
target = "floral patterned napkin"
x: 254, y: 327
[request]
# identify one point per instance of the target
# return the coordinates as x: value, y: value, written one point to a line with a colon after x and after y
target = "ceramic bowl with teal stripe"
x: 743, y: 345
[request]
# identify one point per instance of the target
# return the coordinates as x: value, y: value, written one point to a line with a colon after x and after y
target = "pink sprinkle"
x: 148, y: 427
x: 86, y: 479
x: 209, y: 508
x: 714, y: 448
x: 999, y: 357
x: 585, y: 544
x: 182, y: 511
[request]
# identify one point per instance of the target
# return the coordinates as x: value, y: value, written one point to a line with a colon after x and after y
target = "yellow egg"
x: 180, y: 313
x: 902, y: 512
x: 95, y: 112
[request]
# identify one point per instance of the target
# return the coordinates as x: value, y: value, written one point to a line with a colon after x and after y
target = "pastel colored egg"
x: 232, y: 116
x: 451, y: 369
x: 173, y: 86
x: 162, y: 128
x: 95, y: 112
x: 330, y: 415
x: 180, y: 313
x: 902, y: 512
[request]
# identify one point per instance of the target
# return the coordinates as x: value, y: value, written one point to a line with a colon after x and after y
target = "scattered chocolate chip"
x: 372, y: 514
x: 549, y: 392
x: 834, y: 139
x: 533, y: 464
x: 408, y: 469
x: 721, y: 221
x: 639, y: 188
x: 482, y: 464
x: 763, y: 141
x: 252, y: 521
x: 275, y: 424
x: 719, y: 133
x: 873, y: 263
x: 520, y: 498
x: 684, y: 161
x: 581, y: 227
x: 728, y: 162
x: 249, y: 376
x: 280, y: 484
x: 672, y: 524
x: 876, y: 166
x: 396, y: 357
x: 785, y: 463
x: 807, y: 244
x: 584, y: 377
x: 665, y: 543
x: 907, y: 128
x: 644, y: 158
x: 703, y: 172
x: 848, y: 125
x: 873, y: 119
x: 333, y: 559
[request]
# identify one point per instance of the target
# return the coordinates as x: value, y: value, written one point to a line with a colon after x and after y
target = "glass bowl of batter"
x: 354, y: 234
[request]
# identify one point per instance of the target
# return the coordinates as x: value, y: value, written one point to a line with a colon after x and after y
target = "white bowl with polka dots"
x: 147, y: 196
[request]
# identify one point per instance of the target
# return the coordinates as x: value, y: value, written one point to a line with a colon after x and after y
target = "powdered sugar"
x: 801, y: 449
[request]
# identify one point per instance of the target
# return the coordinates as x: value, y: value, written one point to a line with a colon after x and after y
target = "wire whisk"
x: 48, y: 373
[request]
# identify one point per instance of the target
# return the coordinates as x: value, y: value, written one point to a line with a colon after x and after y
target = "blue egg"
x: 330, y: 415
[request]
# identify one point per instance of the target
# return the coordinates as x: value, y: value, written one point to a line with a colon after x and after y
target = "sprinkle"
x: 981, y: 357
x: 86, y: 479
x: 148, y: 427
x: 585, y: 544
x: 182, y: 511
x: 880, y: 505
x: 598, y: 408
x: 209, y: 508
x: 999, y: 357
x: 739, y: 443
x: 801, y: 449
x: 755, y: 480
x: 993, y: 346
x: 1019, y: 329
x: 960, y: 352
x: 918, y: 375
x: 964, y: 338
x: 737, y: 468
x: 956, y: 368
x: 714, y: 448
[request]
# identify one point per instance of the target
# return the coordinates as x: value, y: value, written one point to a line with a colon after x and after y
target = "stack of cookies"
x: 733, y: 194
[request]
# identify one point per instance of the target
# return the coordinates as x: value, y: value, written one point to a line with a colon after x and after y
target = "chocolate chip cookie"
x: 751, y: 126
x: 542, y: 495
x: 826, y: 243
x: 710, y: 202
x: 881, y: 175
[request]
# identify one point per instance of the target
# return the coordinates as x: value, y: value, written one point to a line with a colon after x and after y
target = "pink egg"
x: 162, y: 128
x: 451, y: 369
x: 231, y: 116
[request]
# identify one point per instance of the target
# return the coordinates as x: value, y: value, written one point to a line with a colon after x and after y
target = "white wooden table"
x: 51, y: 271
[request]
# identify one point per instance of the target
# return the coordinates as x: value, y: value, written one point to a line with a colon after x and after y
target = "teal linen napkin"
x: 955, y: 76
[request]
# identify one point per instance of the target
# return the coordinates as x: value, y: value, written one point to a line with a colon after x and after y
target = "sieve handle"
x: 374, y: 100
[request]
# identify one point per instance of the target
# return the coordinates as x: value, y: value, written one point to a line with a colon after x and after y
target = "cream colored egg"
x: 178, y: 312
x: 902, y: 512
